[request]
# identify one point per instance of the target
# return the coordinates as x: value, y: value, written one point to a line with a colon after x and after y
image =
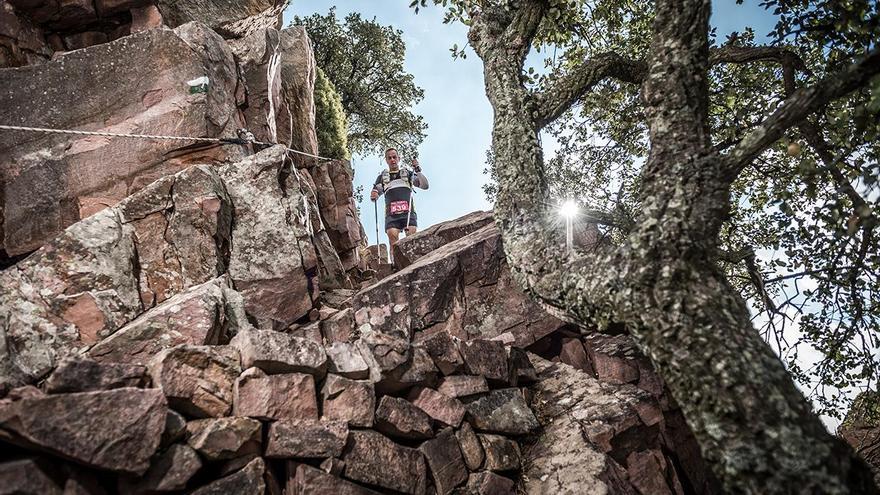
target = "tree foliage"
x: 330, y: 121
x: 364, y: 61
x: 701, y: 156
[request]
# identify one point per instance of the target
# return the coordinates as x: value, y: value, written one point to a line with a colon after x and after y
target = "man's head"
x: 392, y: 159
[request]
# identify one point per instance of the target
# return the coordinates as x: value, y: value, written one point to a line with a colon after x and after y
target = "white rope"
x: 152, y: 137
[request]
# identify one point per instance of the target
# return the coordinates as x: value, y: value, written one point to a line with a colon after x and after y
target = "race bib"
x: 399, y: 207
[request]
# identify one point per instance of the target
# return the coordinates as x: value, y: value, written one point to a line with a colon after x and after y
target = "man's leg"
x: 393, y: 236
x: 411, y: 230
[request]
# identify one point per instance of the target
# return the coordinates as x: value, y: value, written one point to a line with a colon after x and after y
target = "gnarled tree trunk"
x: 753, y: 425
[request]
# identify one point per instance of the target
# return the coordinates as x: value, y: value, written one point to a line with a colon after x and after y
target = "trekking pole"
x: 376, y: 216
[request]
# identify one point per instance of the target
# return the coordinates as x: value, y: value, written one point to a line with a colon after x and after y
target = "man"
x: 396, y: 184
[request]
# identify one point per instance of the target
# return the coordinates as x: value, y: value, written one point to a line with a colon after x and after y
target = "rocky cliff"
x: 191, y: 318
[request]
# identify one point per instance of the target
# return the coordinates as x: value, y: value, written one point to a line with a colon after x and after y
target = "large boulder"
x: 231, y: 18
x: 463, y: 288
x: 298, y: 72
x: 599, y: 437
x: 273, y: 262
x: 411, y: 248
x: 197, y: 380
x: 117, y: 430
x: 137, y: 84
x: 203, y: 315
x: 258, y: 56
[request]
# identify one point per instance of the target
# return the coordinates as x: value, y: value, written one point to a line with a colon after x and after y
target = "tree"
x: 807, y: 203
x: 662, y: 278
x: 364, y: 61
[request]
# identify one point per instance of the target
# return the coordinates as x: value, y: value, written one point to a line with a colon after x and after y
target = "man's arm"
x: 378, y: 189
x: 419, y: 180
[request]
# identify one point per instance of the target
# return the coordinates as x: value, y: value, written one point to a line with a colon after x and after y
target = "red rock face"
x: 72, y: 173
x: 463, y: 289
x: 117, y: 430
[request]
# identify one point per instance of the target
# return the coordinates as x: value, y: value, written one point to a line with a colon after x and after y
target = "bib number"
x: 399, y: 207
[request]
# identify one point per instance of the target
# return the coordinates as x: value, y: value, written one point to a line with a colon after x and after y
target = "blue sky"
x: 455, y: 105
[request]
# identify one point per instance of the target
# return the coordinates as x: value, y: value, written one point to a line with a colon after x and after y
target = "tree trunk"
x: 754, y: 426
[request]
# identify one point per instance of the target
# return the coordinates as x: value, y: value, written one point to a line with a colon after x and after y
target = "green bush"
x: 330, y: 122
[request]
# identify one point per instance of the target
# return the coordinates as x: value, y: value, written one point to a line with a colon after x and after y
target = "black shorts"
x: 395, y: 222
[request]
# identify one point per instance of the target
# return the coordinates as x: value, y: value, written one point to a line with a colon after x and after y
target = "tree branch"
x: 797, y: 107
x: 564, y: 91
x: 744, y: 54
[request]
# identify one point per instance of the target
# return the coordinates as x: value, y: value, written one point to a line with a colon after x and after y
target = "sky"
x: 455, y: 106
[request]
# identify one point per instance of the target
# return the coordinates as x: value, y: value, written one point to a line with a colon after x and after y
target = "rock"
x: 521, y: 369
x: 81, y: 482
x: 861, y: 429
x: 307, y: 480
x: 400, y: 418
x: 348, y: 400
x: 21, y: 41
x: 277, y: 352
x: 116, y: 430
x: 273, y: 263
x: 144, y: 18
x: 224, y: 438
x: 444, y: 458
x: 411, y: 248
x: 463, y: 288
x: 647, y: 472
x: 197, y: 380
x: 153, y: 68
x: 257, y: 55
x: 502, y: 454
x: 501, y: 411
x: 444, y: 351
x: 488, y: 483
x: 201, y: 315
x: 298, y: 72
x: 306, y: 439
x: 40, y: 323
x: 274, y: 397
x: 573, y: 354
x: 232, y: 19
x: 248, y: 481
x: 345, y: 359
x: 613, y: 358
x: 169, y: 472
x: 339, y: 327
x: 339, y: 214
x: 445, y: 409
x: 418, y: 371
x: 463, y: 385
x: 311, y: 331
x: 371, y: 458
x: 589, y: 431
x: 85, y: 375
x: 385, y: 355
x: 486, y: 358
x: 175, y: 428
x: 28, y: 476
x: 333, y: 466
x: 471, y: 448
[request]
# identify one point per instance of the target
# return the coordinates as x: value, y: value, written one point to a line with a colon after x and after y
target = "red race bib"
x: 399, y: 207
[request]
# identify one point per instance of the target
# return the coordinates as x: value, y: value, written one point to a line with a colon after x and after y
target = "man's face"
x: 392, y: 159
